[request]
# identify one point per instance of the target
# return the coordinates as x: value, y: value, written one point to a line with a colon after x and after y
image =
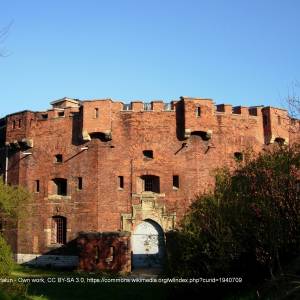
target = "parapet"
x: 194, y: 115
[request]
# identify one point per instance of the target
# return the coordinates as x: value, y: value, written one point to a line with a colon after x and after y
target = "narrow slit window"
x: 279, y: 120
x: 121, y: 182
x: 111, y: 254
x: 20, y: 123
x: 96, y: 113
x: 97, y: 254
x: 198, y: 112
x: 37, y: 186
x: 175, y: 182
x: 79, y: 183
x: 14, y: 124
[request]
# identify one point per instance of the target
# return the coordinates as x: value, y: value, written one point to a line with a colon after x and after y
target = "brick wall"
x: 99, y: 146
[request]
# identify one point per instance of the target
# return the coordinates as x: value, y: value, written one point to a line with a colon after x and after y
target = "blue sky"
x: 238, y: 52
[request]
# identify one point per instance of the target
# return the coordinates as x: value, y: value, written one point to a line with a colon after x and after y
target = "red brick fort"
x: 116, y: 177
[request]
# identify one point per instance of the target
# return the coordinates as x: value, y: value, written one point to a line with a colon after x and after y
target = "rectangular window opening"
x: 58, y: 158
x: 61, y: 114
x: 44, y: 116
x: 20, y: 123
x: 79, y: 183
x: 175, y: 182
x: 37, y: 186
x: 148, y: 153
x: 60, y: 186
x: 121, y: 182
x: 96, y: 113
x: 59, y: 226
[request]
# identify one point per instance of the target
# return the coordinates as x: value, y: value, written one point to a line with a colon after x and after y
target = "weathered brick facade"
x: 85, y: 161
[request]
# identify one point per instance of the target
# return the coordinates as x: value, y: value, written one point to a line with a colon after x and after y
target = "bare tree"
x: 293, y: 101
x: 3, y: 36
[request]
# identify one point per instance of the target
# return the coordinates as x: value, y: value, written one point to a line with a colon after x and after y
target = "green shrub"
x: 248, y: 225
x: 6, y: 261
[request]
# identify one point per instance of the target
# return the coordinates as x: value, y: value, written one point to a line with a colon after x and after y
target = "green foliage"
x: 6, y: 260
x: 248, y: 224
x: 13, y: 207
x: 13, y: 200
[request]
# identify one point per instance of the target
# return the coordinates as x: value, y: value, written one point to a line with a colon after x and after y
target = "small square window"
x: 148, y: 153
x: 58, y: 158
x: 61, y: 114
x: 121, y: 182
x: 60, y: 186
x: 238, y: 156
x: 79, y: 183
x: 44, y: 116
x: 175, y: 182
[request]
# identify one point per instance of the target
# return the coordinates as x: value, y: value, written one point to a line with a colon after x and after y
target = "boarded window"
x: 121, y: 182
x: 59, y: 230
x: 148, y: 153
x: 79, y: 183
x: 175, y: 182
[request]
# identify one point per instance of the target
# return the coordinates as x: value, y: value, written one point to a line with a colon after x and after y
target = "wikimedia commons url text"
x: 101, y: 280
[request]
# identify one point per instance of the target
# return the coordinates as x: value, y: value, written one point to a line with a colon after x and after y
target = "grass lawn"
x: 97, y: 291
x: 74, y: 291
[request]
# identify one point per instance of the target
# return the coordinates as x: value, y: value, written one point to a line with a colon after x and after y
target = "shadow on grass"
x: 56, y: 291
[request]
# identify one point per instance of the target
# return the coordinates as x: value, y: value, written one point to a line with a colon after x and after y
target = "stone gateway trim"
x: 148, y: 245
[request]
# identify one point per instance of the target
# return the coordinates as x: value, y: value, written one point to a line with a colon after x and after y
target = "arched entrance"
x: 148, y: 245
